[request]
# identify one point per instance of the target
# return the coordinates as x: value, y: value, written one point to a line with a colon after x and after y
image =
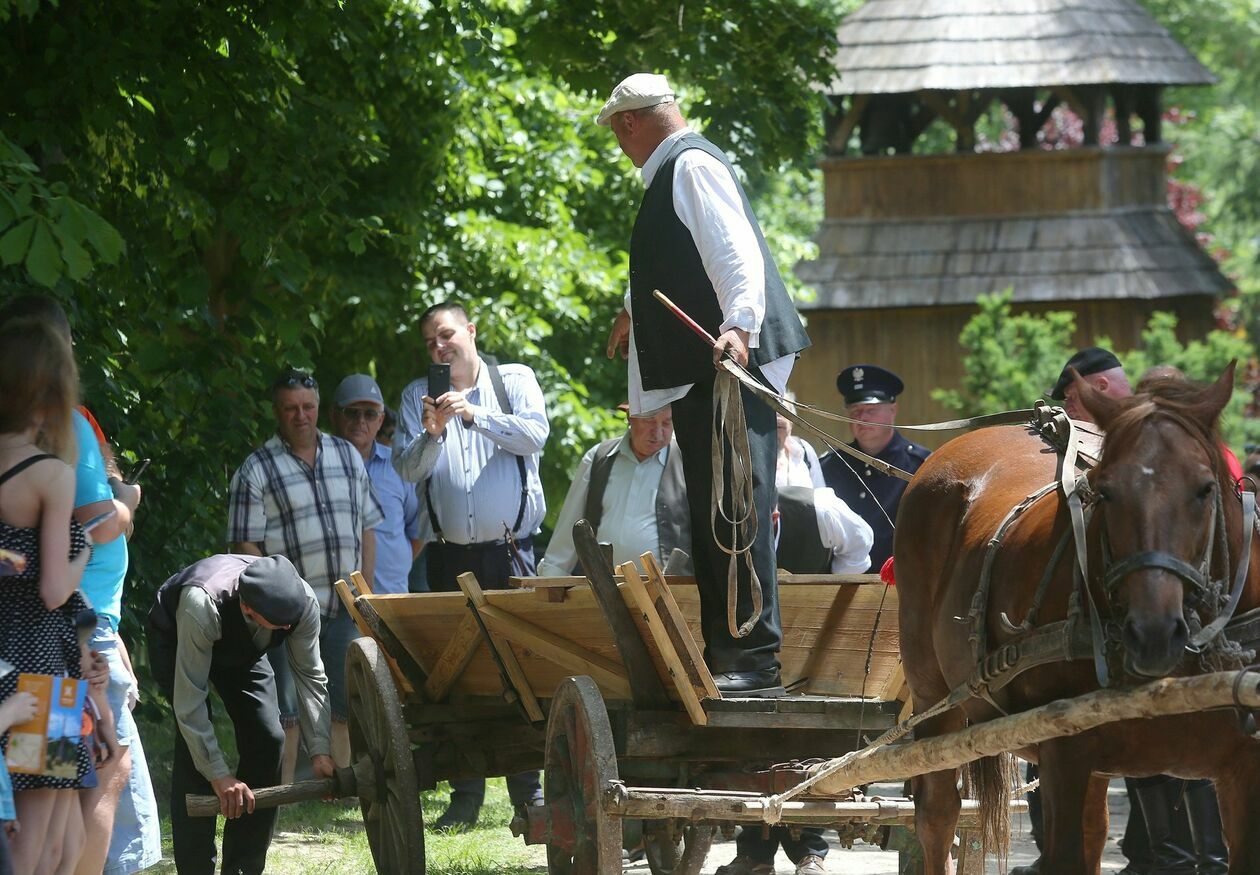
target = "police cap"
x: 868, y: 384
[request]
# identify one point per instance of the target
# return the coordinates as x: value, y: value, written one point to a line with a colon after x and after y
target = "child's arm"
x: 17, y: 709
x: 58, y: 576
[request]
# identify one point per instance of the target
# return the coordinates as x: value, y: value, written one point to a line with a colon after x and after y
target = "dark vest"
x: 673, y: 519
x: 219, y: 577
x: 663, y: 256
x: 800, y: 550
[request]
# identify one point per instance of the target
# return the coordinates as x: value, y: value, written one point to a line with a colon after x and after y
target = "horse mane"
x: 1170, y: 399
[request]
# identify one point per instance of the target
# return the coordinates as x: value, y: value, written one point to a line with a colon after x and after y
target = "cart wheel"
x: 580, y: 762
x: 683, y: 856
x: 390, y: 799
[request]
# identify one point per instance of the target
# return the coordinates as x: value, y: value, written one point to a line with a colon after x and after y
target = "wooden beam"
x: 1072, y: 99
x: 401, y: 658
x: 1056, y: 720
x: 785, y: 579
x: 835, y: 614
x: 456, y: 655
x: 516, y: 675
x: 645, y: 684
x: 361, y: 584
x: 548, y: 645
x: 842, y: 129
x: 665, y: 644
x: 676, y: 625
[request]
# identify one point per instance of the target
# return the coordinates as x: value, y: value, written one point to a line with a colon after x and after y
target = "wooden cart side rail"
x: 500, y: 645
x: 676, y: 623
x: 405, y: 687
x: 393, y: 649
x: 785, y: 579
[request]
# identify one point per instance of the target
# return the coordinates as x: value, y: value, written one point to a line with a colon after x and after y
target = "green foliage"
x: 1012, y: 359
x: 1220, y: 137
x: 294, y: 182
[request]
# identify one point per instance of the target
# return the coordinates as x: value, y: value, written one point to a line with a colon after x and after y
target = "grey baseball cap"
x: 358, y: 387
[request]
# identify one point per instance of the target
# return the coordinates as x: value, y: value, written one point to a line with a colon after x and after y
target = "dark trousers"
x: 693, y: 427
x: 749, y: 843
x: 492, y: 564
x: 249, y: 695
x: 6, y: 861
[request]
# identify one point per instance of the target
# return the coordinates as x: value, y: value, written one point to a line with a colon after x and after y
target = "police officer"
x: 870, y: 395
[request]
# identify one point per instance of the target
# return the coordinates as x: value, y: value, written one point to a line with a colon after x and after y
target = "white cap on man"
x: 638, y: 91
x: 358, y: 387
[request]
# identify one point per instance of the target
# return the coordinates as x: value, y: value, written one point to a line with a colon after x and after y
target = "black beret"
x: 1091, y: 360
x: 868, y: 384
x: 272, y: 587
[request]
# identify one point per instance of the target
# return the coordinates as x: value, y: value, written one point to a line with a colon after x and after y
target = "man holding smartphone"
x: 471, y: 435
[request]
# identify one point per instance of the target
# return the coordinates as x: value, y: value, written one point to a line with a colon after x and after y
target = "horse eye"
x: 1205, y: 491
x: 1104, y: 494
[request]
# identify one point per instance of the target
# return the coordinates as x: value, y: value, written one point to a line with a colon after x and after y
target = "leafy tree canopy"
x: 217, y: 191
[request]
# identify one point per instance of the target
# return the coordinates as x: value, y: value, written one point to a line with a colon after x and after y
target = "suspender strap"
x: 22, y: 466
x: 505, y: 404
x: 500, y: 391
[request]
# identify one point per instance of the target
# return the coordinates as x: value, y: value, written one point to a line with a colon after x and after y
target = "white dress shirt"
x: 847, y: 535
x: 476, y: 486
x: 708, y: 204
x: 798, y: 465
x: 629, y: 518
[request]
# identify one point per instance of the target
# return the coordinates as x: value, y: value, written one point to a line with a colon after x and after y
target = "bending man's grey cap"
x: 272, y: 587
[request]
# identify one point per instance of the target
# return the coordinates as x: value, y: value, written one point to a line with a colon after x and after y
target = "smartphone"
x: 134, y: 476
x: 98, y: 519
x: 439, y: 380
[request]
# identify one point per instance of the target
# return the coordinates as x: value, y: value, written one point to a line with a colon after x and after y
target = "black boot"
x: 1205, y: 826
x: 1160, y: 797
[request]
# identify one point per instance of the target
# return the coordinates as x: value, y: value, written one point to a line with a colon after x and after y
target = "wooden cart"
x: 597, y: 679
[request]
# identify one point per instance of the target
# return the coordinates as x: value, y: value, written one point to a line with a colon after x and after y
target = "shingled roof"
x: 1092, y: 255
x: 902, y: 46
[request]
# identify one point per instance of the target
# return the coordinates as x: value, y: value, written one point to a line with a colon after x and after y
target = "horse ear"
x: 1103, y: 408
x: 1207, y: 409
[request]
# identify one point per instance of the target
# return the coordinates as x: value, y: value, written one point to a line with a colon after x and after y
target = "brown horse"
x: 1156, y: 485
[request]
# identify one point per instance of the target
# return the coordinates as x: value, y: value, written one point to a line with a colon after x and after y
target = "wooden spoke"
x: 390, y: 799
x: 580, y: 761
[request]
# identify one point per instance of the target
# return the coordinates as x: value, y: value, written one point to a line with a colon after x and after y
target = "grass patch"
x: 315, y: 838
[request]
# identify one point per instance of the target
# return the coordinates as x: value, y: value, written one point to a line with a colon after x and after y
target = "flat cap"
x: 358, y: 387
x: 638, y: 91
x: 272, y: 587
x: 1091, y: 360
x: 868, y: 384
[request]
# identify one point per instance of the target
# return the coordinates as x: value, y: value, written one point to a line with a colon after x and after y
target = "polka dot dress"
x: 36, y: 640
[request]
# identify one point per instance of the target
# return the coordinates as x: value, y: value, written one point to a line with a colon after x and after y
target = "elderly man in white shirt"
x: 696, y: 240
x: 631, y: 490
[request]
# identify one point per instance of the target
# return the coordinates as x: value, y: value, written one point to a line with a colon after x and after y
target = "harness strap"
x: 1207, y: 633
x: 1153, y: 559
x: 730, y: 436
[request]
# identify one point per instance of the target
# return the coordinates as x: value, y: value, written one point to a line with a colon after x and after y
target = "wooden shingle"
x: 904, y: 46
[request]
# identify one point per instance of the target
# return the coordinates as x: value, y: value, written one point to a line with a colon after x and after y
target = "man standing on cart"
x: 697, y: 241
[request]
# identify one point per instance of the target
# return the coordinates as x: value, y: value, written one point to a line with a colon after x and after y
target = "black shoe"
x: 762, y: 683
x: 458, y: 817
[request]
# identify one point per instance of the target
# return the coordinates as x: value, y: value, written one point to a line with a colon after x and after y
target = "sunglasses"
x: 367, y: 414
x: 292, y: 378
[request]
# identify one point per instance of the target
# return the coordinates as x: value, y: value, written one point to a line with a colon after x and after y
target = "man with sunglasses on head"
x: 473, y: 448
x: 358, y: 413
x: 306, y: 495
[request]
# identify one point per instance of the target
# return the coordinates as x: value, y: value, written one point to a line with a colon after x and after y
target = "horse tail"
x: 991, y: 781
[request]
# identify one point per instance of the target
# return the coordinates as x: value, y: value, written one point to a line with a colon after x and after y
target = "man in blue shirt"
x: 357, y: 416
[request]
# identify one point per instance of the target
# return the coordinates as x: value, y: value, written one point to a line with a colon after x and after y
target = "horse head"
x: 1163, y: 492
